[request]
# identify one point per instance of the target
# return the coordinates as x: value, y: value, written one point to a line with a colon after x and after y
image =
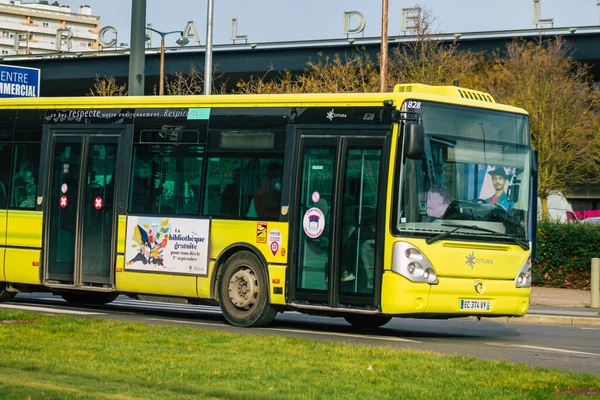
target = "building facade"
x: 45, y: 27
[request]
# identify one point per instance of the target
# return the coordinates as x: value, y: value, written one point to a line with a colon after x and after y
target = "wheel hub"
x: 243, y: 288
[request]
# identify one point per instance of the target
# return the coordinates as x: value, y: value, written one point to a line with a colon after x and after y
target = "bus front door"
x: 80, y: 212
x: 340, y: 189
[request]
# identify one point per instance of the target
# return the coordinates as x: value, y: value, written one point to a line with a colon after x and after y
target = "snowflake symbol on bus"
x: 471, y: 259
x: 330, y: 115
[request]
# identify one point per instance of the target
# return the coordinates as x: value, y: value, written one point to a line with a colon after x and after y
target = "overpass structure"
x: 74, y: 73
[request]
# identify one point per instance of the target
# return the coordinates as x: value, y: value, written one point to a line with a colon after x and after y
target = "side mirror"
x: 534, y: 162
x: 513, y: 190
x: 413, y: 140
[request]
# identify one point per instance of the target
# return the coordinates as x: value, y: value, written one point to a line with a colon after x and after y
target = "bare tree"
x: 424, y: 58
x: 108, y: 86
x: 563, y: 107
x: 191, y: 83
x: 356, y: 72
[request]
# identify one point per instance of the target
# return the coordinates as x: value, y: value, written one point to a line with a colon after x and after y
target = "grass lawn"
x: 59, y: 357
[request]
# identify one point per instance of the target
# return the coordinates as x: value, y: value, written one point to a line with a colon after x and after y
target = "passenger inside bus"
x: 438, y: 197
x: 359, y: 253
x: 230, y: 198
x: 24, y: 187
x: 267, y: 199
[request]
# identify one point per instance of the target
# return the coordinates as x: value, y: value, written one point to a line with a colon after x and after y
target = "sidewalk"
x: 542, y: 296
x: 560, y: 307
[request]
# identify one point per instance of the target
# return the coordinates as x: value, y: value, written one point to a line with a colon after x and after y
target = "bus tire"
x: 244, y: 291
x: 96, y: 299
x: 367, y: 321
x: 5, y: 295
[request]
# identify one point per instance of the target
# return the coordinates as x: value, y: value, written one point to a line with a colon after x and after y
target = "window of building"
x: 45, y: 24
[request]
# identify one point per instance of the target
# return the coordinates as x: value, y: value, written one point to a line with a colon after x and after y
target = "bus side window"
x: 232, y: 182
x: 5, y: 156
x: 166, y: 179
x: 24, y: 178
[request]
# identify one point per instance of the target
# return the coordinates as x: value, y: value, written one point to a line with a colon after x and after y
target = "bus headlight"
x: 523, y: 278
x: 409, y: 262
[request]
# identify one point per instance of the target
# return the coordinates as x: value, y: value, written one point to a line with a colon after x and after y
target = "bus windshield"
x: 475, y: 173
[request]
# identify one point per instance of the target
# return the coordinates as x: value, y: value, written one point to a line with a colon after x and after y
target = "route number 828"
x: 414, y: 104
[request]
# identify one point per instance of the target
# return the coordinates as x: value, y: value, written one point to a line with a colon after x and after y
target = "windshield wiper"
x: 524, y: 245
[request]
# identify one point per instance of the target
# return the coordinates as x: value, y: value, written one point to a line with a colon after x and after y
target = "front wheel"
x: 5, y: 295
x: 244, y: 291
x: 367, y: 321
x: 96, y: 299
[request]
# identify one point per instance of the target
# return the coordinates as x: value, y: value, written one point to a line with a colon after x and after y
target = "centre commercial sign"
x: 19, y: 81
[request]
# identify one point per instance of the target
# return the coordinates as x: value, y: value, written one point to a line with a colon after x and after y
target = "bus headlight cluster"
x: 523, y: 278
x: 409, y: 262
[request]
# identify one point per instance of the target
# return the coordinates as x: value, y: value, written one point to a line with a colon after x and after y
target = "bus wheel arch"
x: 5, y: 295
x: 243, y: 290
x: 222, y: 259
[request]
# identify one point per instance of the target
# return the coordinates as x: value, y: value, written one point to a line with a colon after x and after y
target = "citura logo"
x: 332, y: 114
x: 472, y: 260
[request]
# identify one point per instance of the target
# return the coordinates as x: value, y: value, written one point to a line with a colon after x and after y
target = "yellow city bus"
x: 363, y: 206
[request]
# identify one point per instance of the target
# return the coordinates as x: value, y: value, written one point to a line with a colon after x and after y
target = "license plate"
x: 480, y: 305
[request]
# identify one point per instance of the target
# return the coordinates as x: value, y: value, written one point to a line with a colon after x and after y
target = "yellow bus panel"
x: 151, y: 283
x: 277, y: 283
x: 503, y: 296
x: 22, y: 266
x: 400, y: 296
x: 121, y: 233
x: 24, y: 228
x: 2, y: 255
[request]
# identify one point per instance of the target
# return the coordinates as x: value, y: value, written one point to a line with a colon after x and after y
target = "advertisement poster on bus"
x: 171, y: 245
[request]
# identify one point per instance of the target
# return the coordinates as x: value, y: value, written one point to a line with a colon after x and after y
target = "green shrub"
x: 564, y: 253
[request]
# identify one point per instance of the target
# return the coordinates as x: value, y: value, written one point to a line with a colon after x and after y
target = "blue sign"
x: 19, y: 81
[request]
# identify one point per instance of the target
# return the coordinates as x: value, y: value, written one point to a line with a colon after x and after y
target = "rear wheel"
x: 244, y: 291
x: 5, y: 295
x: 367, y: 321
x: 89, y: 298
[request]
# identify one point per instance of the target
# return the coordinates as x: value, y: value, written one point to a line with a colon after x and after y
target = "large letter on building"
x: 234, y: 35
x: 63, y: 36
x: 190, y: 32
x: 101, y: 34
x: 362, y: 22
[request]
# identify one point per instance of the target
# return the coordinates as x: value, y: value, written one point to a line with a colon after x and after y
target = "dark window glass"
x: 166, y: 179
x: 7, y: 124
x: 5, y: 157
x: 25, y: 175
x: 29, y: 124
x: 244, y: 186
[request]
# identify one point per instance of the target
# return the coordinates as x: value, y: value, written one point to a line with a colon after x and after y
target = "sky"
x: 286, y: 20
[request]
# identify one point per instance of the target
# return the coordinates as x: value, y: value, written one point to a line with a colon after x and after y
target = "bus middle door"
x: 337, y: 262
x: 80, y: 210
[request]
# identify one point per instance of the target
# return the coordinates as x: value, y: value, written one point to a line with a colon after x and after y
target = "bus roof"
x: 445, y: 94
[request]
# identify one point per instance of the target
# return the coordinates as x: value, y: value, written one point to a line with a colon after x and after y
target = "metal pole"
x: 384, y: 44
x: 208, y: 53
x: 161, y: 85
x: 595, y: 282
x: 136, y: 49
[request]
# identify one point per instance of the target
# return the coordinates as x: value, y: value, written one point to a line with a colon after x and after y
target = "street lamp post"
x: 181, y: 41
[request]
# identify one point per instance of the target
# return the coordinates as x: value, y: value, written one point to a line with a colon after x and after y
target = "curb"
x: 550, y: 319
